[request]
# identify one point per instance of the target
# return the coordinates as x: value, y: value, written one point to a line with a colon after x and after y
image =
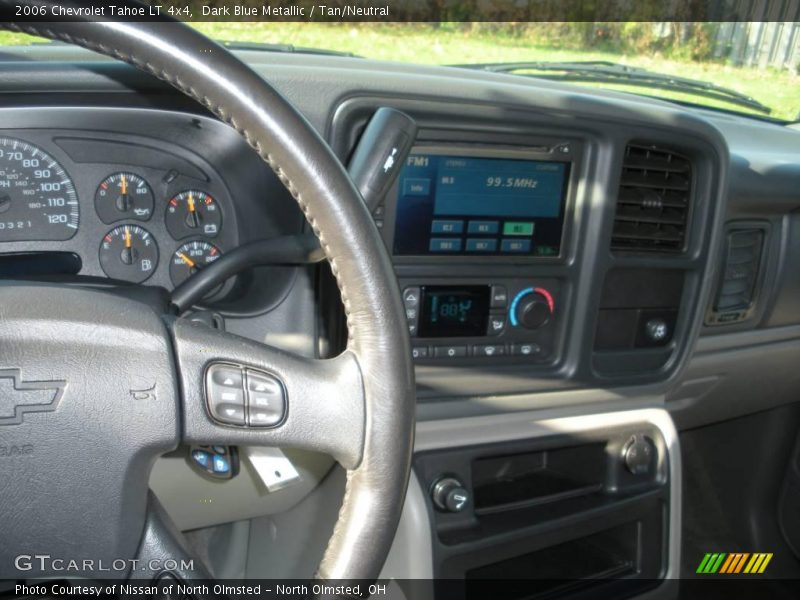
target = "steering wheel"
x: 94, y: 387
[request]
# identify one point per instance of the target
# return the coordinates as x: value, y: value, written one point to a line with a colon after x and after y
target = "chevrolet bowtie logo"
x: 18, y: 397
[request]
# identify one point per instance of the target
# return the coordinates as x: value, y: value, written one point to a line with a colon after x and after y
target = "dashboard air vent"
x: 653, y: 201
x: 740, y: 274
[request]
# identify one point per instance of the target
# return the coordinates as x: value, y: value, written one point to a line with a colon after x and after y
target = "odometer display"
x: 37, y: 198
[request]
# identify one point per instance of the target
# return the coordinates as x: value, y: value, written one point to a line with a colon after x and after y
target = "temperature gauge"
x: 123, y: 196
x: 129, y: 253
x: 190, y: 258
x: 193, y: 213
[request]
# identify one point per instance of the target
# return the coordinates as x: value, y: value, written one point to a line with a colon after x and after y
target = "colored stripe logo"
x: 734, y: 563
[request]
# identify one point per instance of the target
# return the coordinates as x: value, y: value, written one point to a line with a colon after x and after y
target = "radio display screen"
x: 469, y: 205
x: 449, y: 311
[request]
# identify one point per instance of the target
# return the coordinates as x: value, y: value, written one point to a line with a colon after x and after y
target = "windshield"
x: 752, y: 66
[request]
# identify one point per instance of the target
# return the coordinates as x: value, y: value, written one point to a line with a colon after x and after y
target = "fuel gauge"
x: 193, y: 213
x: 129, y: 253
x: 123, y: 196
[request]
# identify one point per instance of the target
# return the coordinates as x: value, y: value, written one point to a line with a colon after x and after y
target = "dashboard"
x: 564, y: 255
x: 554, y: 246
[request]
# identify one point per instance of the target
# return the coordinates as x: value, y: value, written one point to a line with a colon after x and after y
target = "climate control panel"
x: 502, y: 320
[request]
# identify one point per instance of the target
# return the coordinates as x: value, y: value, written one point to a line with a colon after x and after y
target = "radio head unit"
x: 485, y: 203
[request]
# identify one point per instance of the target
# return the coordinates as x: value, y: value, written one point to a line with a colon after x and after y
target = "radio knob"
x: 533, y: 308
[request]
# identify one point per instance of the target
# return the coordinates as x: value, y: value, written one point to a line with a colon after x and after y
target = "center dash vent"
x: 653, y: 202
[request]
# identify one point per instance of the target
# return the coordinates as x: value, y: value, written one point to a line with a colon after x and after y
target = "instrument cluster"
x: 129, y: 252
x: 154, y: 223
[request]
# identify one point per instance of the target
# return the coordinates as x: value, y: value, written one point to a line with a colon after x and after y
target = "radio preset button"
x: 515, y: 245
x: 481, y: 245
x: 445, y: 245
x: 483, y: 227
x: 518, y: 228
x: 450, y: 351
x: 447, y: 226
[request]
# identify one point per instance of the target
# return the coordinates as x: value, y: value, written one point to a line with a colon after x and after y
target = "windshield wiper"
x: 615, y: 73
x: 288, y: 48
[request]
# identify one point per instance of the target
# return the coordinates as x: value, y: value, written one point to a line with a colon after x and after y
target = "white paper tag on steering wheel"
x: 273, y: 468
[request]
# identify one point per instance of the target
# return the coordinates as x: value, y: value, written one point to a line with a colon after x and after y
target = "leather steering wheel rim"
x: 378, y: 336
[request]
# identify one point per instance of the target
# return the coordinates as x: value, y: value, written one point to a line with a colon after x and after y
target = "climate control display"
x: 454, y: 311
x: 495, y: 320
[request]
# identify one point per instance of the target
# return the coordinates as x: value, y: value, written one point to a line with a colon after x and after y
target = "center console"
x: 570, y: 507
x: 551, y: 517
x: 488, y: 206
x: 544, y: 254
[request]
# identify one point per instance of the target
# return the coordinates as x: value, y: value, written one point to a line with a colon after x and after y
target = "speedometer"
x: 37, y: 198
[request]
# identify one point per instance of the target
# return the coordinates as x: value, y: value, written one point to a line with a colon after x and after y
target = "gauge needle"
x: 128, y: 255
x: 187, y: 260
x: 124, y: 200
x: 192, y: 219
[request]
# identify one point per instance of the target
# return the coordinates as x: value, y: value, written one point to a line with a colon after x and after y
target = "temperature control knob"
x: 532, y: 308
x: 449, y: 495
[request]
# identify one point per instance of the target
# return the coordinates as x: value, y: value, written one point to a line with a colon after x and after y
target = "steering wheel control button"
x: 219, y: 462
x: 266, y: 399
x: 225, y: 394
x: 450, y: 495
x: 227, y: 376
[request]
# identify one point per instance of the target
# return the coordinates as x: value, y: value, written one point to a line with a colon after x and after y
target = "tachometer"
x: 37, y: 198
